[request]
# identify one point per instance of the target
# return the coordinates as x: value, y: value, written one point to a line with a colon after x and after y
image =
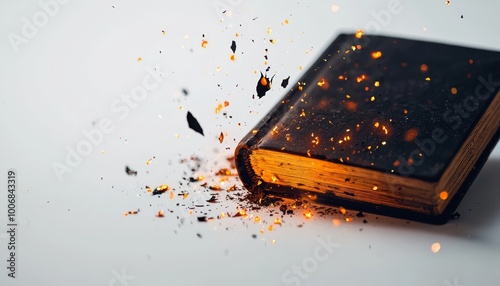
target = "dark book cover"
x: 394, y: 106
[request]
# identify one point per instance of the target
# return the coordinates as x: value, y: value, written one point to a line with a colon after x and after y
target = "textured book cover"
x: 380, y: 124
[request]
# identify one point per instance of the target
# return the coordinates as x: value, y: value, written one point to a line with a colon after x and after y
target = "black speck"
x: 233, y: 47
x: 360, y: 214
x: 199, y: 235
x: 130, y: 172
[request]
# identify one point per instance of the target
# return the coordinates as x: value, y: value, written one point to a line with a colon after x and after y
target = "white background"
x: 66, y: 75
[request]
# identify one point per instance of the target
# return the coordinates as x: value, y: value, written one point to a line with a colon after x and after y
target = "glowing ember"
x: 232, y: 57
x: 308, y: 214
x: 454, y: 90
x: 424, y: 68
x: 256, y: 219
x: 443, y: 195
x: 160, y: 213
x: 215, y: 188
x: 359, y: 34
x: 375, y: 188
x: 351, y: 105
x: 323, y: 83
x: 342, y: 210
x: 223, y: 172
x: 411, y: 134
x: 221, y: 137
x: 131, y: 212
x: 277, y: 221
x: 274, y: 178
x: 204, y: 43
x: 335, y: 8
x: 139, y: 59
x: 161, y: 189
x: 376, y: 55
x: 336, y: 222
x: 361, y: 78
x: 435, y: 247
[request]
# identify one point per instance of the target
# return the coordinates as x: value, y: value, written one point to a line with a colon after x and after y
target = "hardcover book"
x: 380, y: 124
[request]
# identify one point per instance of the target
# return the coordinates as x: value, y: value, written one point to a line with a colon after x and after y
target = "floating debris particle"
x: 284, y: 82
x: 233, y: 47
x: 212, y: 200
x: 160, y: 213
x: 132, y: 212
x: 130, y: 172
x: 263, y: 85
x: 193, y: 123
x: 161, y: 189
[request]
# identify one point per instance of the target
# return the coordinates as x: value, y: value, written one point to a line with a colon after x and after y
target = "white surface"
x: 68, y: 76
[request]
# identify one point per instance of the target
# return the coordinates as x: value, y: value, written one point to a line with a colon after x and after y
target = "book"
x: 380, y: 124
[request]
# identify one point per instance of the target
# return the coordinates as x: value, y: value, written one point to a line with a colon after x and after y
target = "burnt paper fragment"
x: 284, y: 82
x: 193, y: 123
x: 263, y: 85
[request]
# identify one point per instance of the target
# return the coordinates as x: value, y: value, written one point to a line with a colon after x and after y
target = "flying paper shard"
x: 193, y: 123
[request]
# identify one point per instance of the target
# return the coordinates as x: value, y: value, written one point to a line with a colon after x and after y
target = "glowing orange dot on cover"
x: 443, y: 195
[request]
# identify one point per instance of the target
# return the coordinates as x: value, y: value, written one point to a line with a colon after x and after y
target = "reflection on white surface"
x: 74, y: 80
